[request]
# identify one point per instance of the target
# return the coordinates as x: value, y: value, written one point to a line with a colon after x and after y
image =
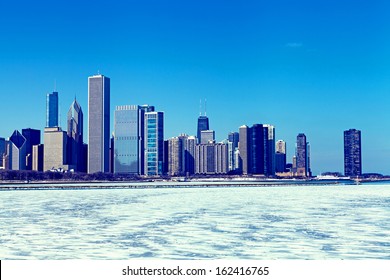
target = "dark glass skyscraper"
x: 203, y: 124
x: 33, y: 137
x: 75, y: 137
x: 352, y: 153
x: 52, y: 109
x: 302, y: 164
x: 17, y: 151
x: 98, y: 123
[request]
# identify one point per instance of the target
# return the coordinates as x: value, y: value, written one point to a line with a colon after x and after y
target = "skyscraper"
x: 55, y: 149
x: 129, y: 138
x: 75, y: 137
x: 211, y: 158
x: 52, y: 109
x: 280, y: 156
x: 244, y: 149
x: 352, y: 153
x: 154, y: 143
x: 203, y: 124
x: 302, y: 165
x: 33, y: 137
x: 207, y: 136
x: 233, y: 140
x: 189, y: 154
x: 2, y: 151
x: 269, y: 150
x: 176, y: 159
x: 17, y: 151
x: 98, y: 123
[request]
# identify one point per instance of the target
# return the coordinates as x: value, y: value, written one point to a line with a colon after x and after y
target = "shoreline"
x: 61, y: 185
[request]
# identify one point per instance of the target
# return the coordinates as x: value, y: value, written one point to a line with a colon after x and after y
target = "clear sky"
x: 317, y: 67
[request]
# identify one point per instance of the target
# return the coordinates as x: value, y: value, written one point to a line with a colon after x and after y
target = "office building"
x: 33, y: 137
x: 233, y: 140
x: 302, y: 165
x: 269, y: 138
x: 280, y: 156
x: 52, y: 109
x: 98, y: 123
x: 189, y: 155
x: 211, y: 158
x: 17, y: 151
x: 55, y: 150
x: 203, y: 124
x: 37, y: 157
x: 154, y: 143
x: 2, y: 152
x: 75, y: 137
x: 176, y: 156
x: 352, y: 153
x: 207, y: 136
x: 129, y: 138
x: 244, y: 149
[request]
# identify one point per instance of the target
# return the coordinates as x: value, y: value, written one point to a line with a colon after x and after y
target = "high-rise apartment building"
x: 211, y: 158
x: 52, y: 109
x: 189, y: 155
x: 176, y: 156
x: 154, y: 143
x: 98, y: 123
x: 302, y: 163
x: 352, y: 153
x: 75, y: 137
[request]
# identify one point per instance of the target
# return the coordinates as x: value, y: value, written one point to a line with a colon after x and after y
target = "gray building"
x: 352, y: 153
x: 55, y: 149
x: 244, y: 148
x: 154, y: 143
x: 75, y: 121
x: 233, y: 140
x: 37, y: 157
x: 207, y: 136
x: 269, y: 153
x: 176, y: 158
x: 98, y: 123
x: 52, y: 109
x: 211, y: 158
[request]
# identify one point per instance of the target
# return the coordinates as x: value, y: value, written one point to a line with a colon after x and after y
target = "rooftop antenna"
x: 55, y: 85
x: 205, y: 107
x: 200, y: 107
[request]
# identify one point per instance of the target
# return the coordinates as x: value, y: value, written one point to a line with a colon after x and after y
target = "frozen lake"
x: 286, y: 222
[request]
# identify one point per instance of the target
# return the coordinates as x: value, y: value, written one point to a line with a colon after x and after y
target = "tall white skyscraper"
x: 98, y: 123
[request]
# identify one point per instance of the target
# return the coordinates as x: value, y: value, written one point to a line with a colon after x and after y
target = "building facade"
x: 38, y: 157
x: 233, y: 140
x: 352, y: 153
x: 203, y: 124
x: 207, y: 136
x: 17, y: 151
x: 302, y: 162
x: 280, y: 156
x: 75, y: 137
x: 154, y: 143
x: 98, y: 123
x: 33, y: 137
x: 211, y: 159
x: 52, y: 109
x: 55, y: 149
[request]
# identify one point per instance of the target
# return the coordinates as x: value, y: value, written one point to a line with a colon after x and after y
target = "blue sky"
x: 317, y: 67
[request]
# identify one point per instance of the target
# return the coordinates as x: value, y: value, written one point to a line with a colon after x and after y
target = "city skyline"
x: 313, y: 68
